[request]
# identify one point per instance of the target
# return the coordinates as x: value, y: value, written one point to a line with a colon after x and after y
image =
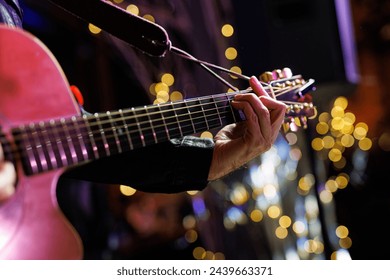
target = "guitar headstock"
x: 294, y: 91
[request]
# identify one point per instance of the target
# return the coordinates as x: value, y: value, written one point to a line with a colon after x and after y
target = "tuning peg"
x: 276, y: 74
x: 286, y: 72
x: 266, y: 77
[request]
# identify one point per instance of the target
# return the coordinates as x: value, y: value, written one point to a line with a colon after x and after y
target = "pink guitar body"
x: 33, y: 88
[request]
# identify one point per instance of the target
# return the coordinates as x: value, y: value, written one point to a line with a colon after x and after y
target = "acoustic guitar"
x: 43, y: 131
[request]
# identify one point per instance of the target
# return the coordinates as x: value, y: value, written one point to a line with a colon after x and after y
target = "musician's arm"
x: 174, y: 166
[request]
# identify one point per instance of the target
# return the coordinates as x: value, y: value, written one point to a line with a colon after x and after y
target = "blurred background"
x: 322, y: 194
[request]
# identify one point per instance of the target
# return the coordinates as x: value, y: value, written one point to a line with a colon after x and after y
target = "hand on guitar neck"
x: 7, y: 177
x: 236, y: 144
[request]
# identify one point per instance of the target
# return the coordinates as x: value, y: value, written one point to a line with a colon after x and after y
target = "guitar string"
x: 160, y: 112
x: 111, y: 140
x: 140, y: 130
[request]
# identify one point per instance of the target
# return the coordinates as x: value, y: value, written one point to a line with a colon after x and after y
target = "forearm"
x: 170, y: 167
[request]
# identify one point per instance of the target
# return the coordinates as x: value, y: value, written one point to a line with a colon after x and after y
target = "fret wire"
x: 114, y: 131
x: 39, y: 152
x: 30, y: 157
x: 75, y: 139
x: 72, y: 150
x: 151, y: 125
x: 217, y: 110
x: 126, y: 129
x: 139, y: 127
x: 164, y: 122
x: 163, y: 118
x: 102, y: 134
x: 226, y: 94
x: 61, y: 156
x: 90, y: 132
x: 190, y: 114
x: 83, y: 146
x: 51, y: 159
x: 91, y: 138
x: 232, y: 111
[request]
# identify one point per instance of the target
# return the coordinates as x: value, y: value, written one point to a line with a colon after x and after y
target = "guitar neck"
x: 65, y: 142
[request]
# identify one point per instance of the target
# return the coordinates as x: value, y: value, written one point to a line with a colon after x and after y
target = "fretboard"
x: 57, y: 143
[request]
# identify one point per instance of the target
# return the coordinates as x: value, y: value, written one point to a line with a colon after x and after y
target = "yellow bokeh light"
x: 161, y: 87
x: 192, y: 192
x: 345, y: 243
x: 256, y: 215
x: 337, y: 112
x: 285, y: 221
x: 360, y: 132
x: 206, y: 134
x: 219, y: 256
x: 281, y: 232
x: 163, y: 95
x: 133, y: 9
x: 273, y: 212
x: 176, y: 96
x: 337, y: 123
x: 239, y: 195
x: 199, y: 253
x: 235, y: 69
x: 227, y: 30
x: 231, y: 53
x: 94, y: 29
x: 347, y: 140
x: 317, y: 144
x: 331, y: 185
x: 191, y: 236
x: 349, y: 118
x: 335, y: 155
x: 149, y: 18
x: 347, y: 128
x: 168, y: 79
x: 328, y: 142
x: 365, y: 144
x: 326, y: 196
x: 342, y: 180
x: 342, y: 231
x: 158, y: 101
x: 324, y: 117
x: 126, y: 190
x: 341, y: 102
x: 362, y: 125
x: 305, y: 184
x: 322, y: 128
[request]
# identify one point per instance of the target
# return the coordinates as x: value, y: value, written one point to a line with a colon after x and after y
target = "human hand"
x: 7, y: 177
x: 237, y: 144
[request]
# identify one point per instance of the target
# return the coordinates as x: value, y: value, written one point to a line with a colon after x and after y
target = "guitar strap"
x: 140, y: 33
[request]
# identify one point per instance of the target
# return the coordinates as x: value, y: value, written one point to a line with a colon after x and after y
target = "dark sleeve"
x: 174, y: 166
x: 11, y: 13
